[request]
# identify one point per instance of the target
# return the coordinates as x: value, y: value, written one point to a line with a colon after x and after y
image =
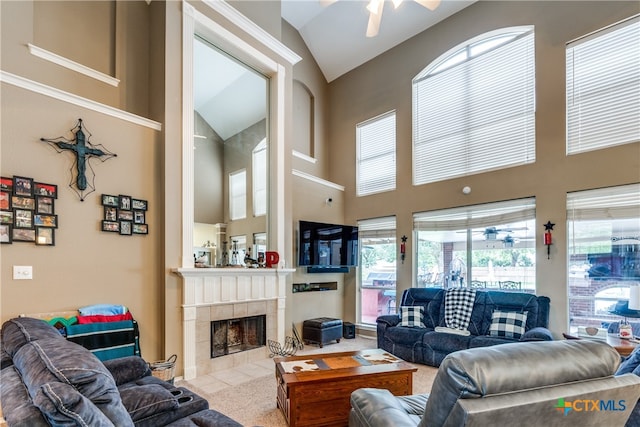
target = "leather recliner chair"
x: 543, y: 383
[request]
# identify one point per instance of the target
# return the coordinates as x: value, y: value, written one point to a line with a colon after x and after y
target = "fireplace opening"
x: 235, y: 335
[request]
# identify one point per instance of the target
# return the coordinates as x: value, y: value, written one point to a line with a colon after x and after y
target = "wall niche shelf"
x: 315, y: 287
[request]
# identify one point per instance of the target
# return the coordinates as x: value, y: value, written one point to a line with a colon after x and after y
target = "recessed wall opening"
x: 235, y: 335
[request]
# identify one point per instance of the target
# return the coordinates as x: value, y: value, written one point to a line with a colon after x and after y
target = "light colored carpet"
x: 253, y: 403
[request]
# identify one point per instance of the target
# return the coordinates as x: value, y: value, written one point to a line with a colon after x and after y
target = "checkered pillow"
x: 507, y: 324
x: 411, y: 316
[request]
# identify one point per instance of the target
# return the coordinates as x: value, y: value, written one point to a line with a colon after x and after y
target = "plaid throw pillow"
x: 507, y: 324
x: 411, y: 316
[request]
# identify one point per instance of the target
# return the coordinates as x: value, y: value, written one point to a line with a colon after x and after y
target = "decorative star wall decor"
x: 84, y: 151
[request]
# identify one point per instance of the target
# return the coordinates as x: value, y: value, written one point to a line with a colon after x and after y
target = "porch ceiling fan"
x: 491, y: 233
x: 375, y: 8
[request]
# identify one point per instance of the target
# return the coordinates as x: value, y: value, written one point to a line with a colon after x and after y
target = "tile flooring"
x: 219, y: 380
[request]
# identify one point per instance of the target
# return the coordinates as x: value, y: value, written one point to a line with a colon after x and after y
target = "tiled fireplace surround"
x: 211, y: 294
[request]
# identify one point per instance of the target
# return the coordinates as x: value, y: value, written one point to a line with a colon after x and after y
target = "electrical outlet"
x: 22, y: 272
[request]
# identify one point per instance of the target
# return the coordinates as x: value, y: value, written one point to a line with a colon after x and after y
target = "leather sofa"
x: 426, y: 346
x: 47, y: 380
x: 559, y: 383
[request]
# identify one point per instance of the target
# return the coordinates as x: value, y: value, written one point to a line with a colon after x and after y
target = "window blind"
x: 476, y: 116
x: 476, y: 216
x: 605, y: 203
x: 376, y: 155
x: 238, y: 194
x: 259, y: 174
x: 603, y: 88
x: 384, y: 227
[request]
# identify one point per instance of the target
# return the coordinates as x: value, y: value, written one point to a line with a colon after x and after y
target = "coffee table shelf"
x: 315, y: 390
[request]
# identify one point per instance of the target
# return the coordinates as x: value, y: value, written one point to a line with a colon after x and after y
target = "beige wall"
x: 384, y: 84
x: 86, y: 266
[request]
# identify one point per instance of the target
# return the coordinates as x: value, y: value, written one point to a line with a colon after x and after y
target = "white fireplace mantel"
x: 204, y: 287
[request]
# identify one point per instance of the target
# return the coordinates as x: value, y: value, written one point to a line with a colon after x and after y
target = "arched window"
x: 474, y: 107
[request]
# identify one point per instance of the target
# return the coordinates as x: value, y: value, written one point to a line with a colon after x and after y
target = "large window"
x: 604, y: 253
x: 376, y: 156
x: 603, y: 88
x: 474, y: 108
x: 488, y: 246
x: 377, y: 268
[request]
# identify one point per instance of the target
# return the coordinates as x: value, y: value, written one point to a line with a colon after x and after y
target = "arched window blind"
x: 603, y: 88
x: 474, y: 110
x: 376, y: 154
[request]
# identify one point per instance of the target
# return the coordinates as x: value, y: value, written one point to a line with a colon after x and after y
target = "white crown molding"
x: 250, y: 27
x: 317, y: 180
x: 72, y: 65
x: 304, y: 157
x: 89, y: 104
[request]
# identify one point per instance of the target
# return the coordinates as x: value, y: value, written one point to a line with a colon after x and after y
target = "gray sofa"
x: 46, y: 380
x: 557, y: 383
x: 426, y: 346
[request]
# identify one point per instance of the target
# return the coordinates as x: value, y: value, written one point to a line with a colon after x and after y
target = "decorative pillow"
x: 507, y: 324
x: 411, y: 316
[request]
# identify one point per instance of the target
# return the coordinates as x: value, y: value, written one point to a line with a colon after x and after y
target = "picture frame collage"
x: 124, y: 215
x: 27, y: 211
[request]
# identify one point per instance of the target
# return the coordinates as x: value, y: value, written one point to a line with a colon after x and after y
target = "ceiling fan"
x: 491, y: 233
x: 375, y: 11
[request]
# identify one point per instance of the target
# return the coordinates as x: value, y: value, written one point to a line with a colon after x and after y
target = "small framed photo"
x: 6, y: 217
x: 20, y: 202
x: 138, y: 217
x: 23, y: 218
x: 48, y: 221
x: 5, y: 233
x: 140, y: 229
x: 5, y: 200
x: 109, y: 200
x: 42, y: 189
x: 110, y: 213
x: 125, y: 202
x: 125, y: 228
x: 138, y: 204
x: 111, y: 226
x: 125, y: 215
x: 45, y: 236
x: 6, y: 184
x: 23, y: 235
x: 44, y: 205
x: 22, y: 186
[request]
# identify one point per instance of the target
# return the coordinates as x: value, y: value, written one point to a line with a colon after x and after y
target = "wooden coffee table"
x: 315, y: 390
x: 623, y: 346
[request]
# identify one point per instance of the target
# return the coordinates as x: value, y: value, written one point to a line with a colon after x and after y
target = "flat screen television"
x: 327, y: 247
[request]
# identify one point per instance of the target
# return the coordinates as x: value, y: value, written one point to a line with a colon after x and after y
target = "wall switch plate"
x: 22, y: 272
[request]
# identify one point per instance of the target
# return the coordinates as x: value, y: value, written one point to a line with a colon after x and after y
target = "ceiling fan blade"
x: 374, y: 20
x: 429, y: 4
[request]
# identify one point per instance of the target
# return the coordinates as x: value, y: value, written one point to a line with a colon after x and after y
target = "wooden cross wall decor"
x: 83, y: 151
